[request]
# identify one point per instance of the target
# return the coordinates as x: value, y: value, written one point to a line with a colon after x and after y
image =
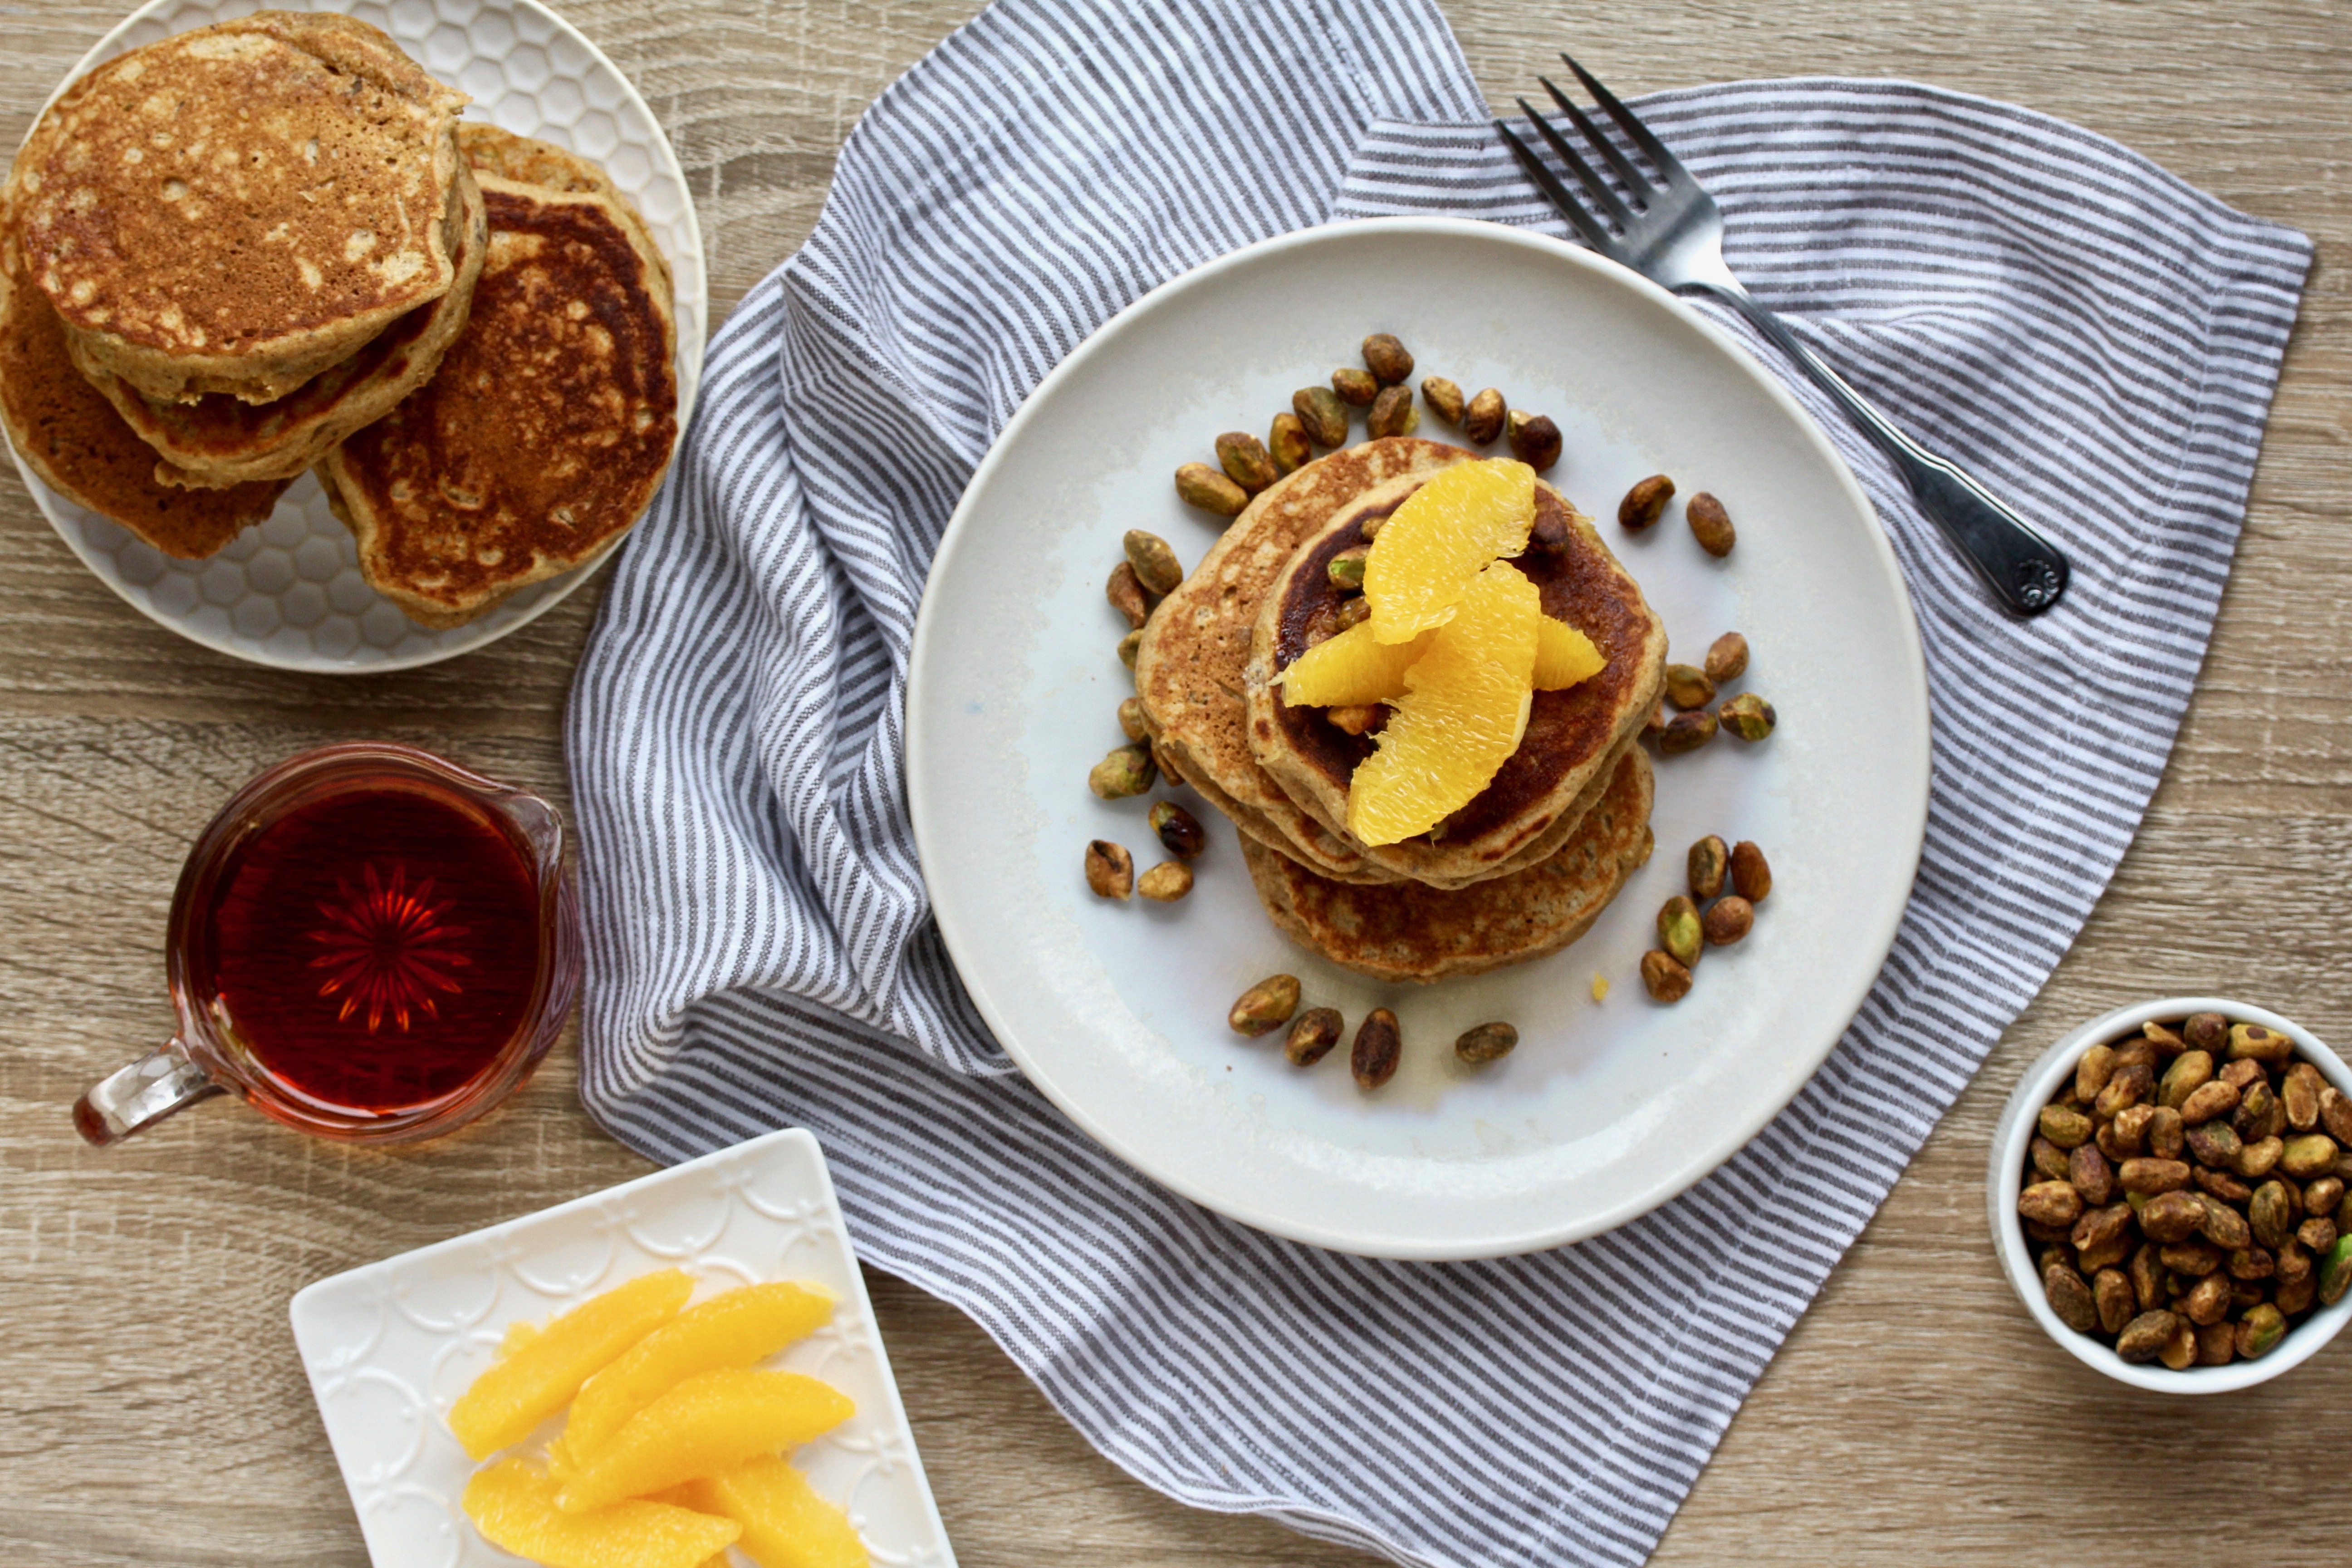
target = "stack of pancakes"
x: 267, y: 247
x: 1521, y: 871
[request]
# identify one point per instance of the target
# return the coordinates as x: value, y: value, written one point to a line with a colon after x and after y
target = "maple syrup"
x: 372, y: 950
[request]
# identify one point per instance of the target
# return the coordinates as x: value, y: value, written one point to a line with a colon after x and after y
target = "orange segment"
x: 736, y: 1328
x: 541, y: 1372
x: 1464, y: 710
x: 1354, y: 667
x: 1564, y: 655
x: 785, y: 1523
x: 1432, y: 548
x: 712, y: 1421
x: 513, y: 1505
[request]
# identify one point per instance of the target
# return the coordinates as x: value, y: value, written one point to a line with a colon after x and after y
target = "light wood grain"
x: 150, y: 1407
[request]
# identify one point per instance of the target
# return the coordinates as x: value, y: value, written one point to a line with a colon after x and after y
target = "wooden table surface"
x: 152, y: 1409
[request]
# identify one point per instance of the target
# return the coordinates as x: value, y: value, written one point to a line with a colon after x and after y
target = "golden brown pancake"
x: 528, y: 160
x: 1404, y: 931
x: 236, y: 208
x: 81, y: 447
x: 1574, y: 737
x: 222, y: 440
x: 1190, y: 669
x: 548, y: 428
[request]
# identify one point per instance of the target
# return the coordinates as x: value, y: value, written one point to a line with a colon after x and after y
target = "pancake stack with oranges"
x: 1414, y: 680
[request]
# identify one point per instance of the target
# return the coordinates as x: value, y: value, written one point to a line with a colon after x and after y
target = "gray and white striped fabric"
x: 2093, y: 338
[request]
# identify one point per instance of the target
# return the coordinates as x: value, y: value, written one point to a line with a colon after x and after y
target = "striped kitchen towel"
x: 2092, y: 337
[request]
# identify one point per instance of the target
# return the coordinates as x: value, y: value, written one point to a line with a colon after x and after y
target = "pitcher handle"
x: 140, y: 1095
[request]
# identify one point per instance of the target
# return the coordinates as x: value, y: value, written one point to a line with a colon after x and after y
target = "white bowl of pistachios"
x: 2166, y: 1193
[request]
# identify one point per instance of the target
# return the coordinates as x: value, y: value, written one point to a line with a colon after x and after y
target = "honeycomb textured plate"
x: 288, y: 592
x: 390, y: 1347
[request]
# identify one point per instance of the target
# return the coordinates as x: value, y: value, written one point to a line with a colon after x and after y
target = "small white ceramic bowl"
x: 2006, y: 1179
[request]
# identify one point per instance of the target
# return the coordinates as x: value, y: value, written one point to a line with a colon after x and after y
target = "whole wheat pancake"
x: 223, y: 440
x: 546, y: 431
x: 81, y: 447
x: 1404, y: 931
x: 528, y: 160
x: 236, y: 208
x: 1574, y: 737
x: 1190, y: 669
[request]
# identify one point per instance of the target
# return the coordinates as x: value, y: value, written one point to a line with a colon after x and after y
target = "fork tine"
x: 1595, y: 234
x: 1635, y: 181
x: 1623, y: 116
x: 1597, y: 187
x: 1595, y: 231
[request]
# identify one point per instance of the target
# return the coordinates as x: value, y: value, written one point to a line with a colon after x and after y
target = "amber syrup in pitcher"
x: 373, y: 949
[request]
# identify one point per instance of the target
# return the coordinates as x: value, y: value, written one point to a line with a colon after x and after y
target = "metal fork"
x: 1673, y: 235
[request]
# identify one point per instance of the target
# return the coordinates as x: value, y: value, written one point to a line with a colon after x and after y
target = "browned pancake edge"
x: 77, y: 443
x: 1408, y: 931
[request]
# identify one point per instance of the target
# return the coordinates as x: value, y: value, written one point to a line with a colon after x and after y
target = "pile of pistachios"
x: 1686, y: 929
x: 2184, y: 1192
x: 1691, y: 687
x: 1147, y: 571
x: 1318, y: 416
x: 1379, y: 1042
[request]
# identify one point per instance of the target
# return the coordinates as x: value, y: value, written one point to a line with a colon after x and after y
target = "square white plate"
x: 390, y: 1346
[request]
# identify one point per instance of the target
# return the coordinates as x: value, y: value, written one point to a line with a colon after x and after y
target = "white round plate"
x: 288, y: 592
x: 1116, y: 1011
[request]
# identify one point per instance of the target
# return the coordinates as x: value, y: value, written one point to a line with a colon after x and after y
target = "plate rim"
x: 929, y: 816
x: 46, y: 502
x: 602, y: 1197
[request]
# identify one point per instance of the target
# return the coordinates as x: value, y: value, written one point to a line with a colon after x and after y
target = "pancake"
x: 81, y: 447
x: 236, y: 208
x: 1404, y: 931
x: 223, y: 440
x: 546, y: 431
x: 1190, y: 666
x: 1574, y: 737
x: 528, y: 160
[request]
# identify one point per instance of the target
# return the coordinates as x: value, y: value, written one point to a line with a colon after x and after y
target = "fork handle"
x: 2025, y: 571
